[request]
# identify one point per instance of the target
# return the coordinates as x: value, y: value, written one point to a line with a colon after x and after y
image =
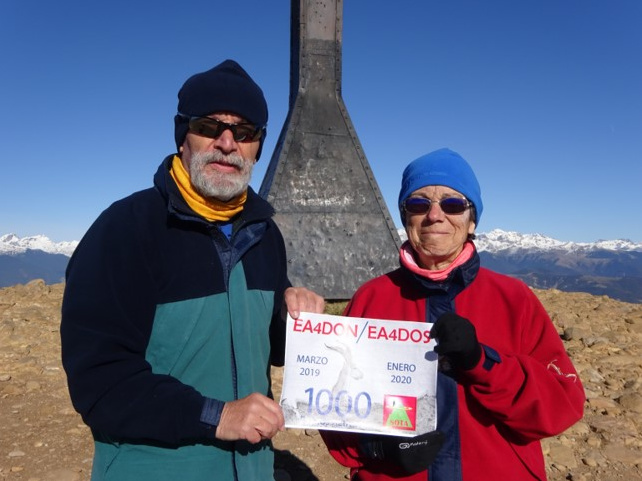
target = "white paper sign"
x: 359, y: 375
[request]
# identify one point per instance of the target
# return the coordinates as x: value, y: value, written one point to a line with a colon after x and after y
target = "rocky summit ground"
x: 43, y: 439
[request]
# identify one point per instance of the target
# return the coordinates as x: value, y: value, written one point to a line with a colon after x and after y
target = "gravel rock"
x: 43, y: 439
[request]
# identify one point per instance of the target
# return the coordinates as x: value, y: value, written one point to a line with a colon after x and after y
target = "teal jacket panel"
x: 220, y: 345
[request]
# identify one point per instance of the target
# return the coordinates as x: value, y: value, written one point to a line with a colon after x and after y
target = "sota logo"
x: 400, y: 412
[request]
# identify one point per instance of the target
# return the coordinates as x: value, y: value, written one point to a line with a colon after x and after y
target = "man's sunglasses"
x: 212, y: 128
x: 450, y: 205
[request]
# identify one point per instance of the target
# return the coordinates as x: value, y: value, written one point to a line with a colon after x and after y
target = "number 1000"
x: 342, y: 403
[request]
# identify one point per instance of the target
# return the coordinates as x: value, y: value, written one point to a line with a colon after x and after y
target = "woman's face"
x: 437, y: 237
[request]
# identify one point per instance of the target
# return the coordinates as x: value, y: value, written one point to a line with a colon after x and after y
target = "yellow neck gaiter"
x: 210, y: 209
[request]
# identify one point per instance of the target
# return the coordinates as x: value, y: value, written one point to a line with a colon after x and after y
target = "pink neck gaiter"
x: 407, y: 258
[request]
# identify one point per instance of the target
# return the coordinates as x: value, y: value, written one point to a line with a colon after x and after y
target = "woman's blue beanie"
x: 441, y: 167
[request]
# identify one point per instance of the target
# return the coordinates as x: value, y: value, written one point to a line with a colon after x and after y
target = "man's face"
x: 220, y: 168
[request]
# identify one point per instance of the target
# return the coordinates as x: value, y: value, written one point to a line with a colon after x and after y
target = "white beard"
x: 221, y: 186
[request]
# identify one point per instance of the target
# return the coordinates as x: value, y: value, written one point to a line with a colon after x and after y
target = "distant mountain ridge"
x: 11, y: 244
x: 611, y: 268
x: 605, y: 267
x: 498, y: 240
x: 35, y: 257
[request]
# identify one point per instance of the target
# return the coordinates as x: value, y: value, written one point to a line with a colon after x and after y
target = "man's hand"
x: 297, y: 299
x: 457, y: 340
x: 254, y: 418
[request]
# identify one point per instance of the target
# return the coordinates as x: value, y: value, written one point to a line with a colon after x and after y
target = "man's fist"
x: 253, y: 418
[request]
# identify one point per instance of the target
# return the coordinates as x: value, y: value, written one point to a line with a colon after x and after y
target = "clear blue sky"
x: 543, y: 98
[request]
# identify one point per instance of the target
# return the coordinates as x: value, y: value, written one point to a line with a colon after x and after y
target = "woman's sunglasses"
x: 213, y: 128
x: 450, y: 205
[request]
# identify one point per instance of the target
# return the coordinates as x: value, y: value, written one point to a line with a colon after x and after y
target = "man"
x: 174, y: 304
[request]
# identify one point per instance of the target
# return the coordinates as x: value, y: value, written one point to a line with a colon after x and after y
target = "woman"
x: 505, y: 380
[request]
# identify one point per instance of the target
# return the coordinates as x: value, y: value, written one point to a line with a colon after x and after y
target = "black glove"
x: 457, y: 340
x: 412, y: 455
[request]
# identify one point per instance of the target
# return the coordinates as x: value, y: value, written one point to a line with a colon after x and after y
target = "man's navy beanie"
x: 224, y: 88
x: 441, y: 167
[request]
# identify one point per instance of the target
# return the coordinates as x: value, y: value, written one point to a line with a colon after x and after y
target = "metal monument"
x: 336, y: 225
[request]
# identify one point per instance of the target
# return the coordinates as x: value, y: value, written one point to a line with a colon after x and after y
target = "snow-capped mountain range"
x: 493, y: 242
x: 607, y: 267
x: 499, y: 240
x: 11, y: 244
x: 612, y: 268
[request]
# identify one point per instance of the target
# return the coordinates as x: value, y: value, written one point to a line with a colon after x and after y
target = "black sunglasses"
x: 450, y: 205
x: 213, y: 128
